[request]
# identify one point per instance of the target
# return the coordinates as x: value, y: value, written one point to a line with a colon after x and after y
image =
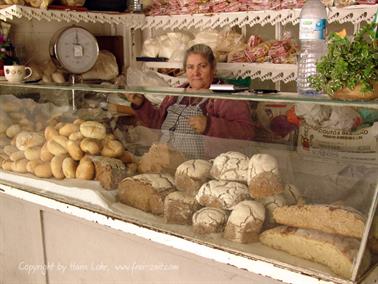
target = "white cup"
x: 16, y: 73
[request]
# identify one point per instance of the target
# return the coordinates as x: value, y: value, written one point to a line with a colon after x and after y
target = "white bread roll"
x: 50, y: 132
x: 9, y: 149
x: 30, y: 166
x: 33, y: 153
x: 78, y: 121
x: 55, y: 149
x: 68, y: 129
x: 20, y: 166
x: 15, y: 156
x: 57, y: 166
x: 27, y: 140
x: 112, y: 149
x: 85, y: 169
x: 93, y: 129
x: 76, y: 136
x: 73, y: 148
x: 90, y: 146
x: 13, y: 130
x: 69, y: 167
x: 4, y: 141
x: 43, y: 170
x: 45, y: 154
x: 7, y: 165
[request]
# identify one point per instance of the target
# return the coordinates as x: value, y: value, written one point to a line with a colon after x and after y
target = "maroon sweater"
x: 229, y: 119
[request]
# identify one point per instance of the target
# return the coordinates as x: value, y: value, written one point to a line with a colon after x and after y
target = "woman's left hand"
x: 198, y: 123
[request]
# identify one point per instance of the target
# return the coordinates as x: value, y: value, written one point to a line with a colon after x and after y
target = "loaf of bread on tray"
x: 146, y: 191
x: 179, y: 208
x: 230, y: 166
x: 191, y: 175
x: 333, y: 219
x: 336, y: 252
x: 245, y: 222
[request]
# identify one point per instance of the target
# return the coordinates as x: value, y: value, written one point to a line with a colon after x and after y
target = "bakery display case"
x: 259, y: 201
x: 296, y: 204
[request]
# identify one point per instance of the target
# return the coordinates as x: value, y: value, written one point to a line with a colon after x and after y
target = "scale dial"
x: 75, y: 49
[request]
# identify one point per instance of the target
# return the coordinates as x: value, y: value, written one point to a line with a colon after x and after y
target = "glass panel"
x: 274, y: 97
x: 265, y: 198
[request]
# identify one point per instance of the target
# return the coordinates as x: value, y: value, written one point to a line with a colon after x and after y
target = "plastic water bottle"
x: 312, y: 25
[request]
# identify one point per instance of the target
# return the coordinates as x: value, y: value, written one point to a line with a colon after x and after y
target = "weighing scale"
x: 75, y: 50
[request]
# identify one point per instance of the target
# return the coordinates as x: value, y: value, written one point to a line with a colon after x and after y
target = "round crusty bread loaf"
x: 245, y: 222
x: 230, y: 166
x: 260, y: 163
x: 209, y: 220
x: 222, y: 194
x: 93, y: 129
x: 191, y: 175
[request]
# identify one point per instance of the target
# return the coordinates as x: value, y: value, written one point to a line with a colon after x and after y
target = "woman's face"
x: 199, y: 72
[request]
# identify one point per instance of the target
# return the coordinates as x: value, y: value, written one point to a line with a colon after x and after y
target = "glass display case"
x: 306, y: 211
x: 290, y: 195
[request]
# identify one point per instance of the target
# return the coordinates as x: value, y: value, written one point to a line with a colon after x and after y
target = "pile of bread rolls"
x: 61, y: 150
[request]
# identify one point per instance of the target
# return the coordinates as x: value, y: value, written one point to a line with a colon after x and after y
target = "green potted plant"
x: 349, y: 70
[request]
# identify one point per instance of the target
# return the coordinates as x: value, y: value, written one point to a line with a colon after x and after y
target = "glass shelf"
x: 249, y: 96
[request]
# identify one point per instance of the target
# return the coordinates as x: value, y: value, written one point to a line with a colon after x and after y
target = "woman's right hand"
x: 135, y: 99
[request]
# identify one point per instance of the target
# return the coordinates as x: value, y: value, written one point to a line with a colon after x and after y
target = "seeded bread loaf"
x: 109, y: 172
x: 230, y: 166
x: 333, y: 219
x: 179, y: 208
x: 336, y: 252
x: 222, y: 194
x: 245, y: 222
x: 146, y: 191
x: 191, y: 175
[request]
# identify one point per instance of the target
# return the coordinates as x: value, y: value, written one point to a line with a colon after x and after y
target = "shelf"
x: 284, y: 97
x: 354, y: 14
x: 263, y: 71
x: 29, y: 13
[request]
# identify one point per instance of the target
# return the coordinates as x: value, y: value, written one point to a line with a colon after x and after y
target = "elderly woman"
x: 183, y: 119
